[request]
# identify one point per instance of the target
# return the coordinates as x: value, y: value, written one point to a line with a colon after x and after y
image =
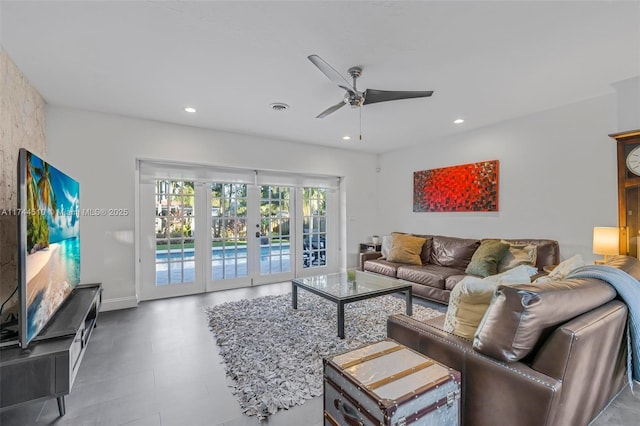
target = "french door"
x: 273, y: 234
x: 250, y: 235
x: 170, y: 248
x: 206, y: 236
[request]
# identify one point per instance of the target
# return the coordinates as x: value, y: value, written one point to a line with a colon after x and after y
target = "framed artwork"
x: 465, y: 188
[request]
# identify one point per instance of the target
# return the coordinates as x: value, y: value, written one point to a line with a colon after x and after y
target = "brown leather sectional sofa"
x: 547, y: 354
x: 444, y: 260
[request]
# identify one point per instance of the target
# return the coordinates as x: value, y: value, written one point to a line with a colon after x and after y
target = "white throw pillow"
x: 387, y: 241
x: 519, y: 275
x: 563, y: 269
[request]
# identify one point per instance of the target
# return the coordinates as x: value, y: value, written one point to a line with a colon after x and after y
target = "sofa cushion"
x: 520, y: 314
x: 453, y: 252
x: 425, y: 254
x: 486, y: 258
x: 470, y: 299
x: 406, y: 248
x: 518, y: 254
x: 381, y: 266
x: 429, y: 275
x: 451, y: 281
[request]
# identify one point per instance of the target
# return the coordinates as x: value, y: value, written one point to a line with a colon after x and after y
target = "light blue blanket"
x: 628, y: 289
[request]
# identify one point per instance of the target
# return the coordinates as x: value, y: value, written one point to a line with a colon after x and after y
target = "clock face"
x: 633, y: 161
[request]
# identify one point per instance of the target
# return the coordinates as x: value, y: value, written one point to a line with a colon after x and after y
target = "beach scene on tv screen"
x: 52, y: 242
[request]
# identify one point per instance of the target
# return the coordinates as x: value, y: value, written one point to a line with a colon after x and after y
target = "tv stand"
x: 47, y: 368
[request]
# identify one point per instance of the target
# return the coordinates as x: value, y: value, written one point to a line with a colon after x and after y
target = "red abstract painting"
x: 465, y: 188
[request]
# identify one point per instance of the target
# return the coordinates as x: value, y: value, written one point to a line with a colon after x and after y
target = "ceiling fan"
x: 354, y: 97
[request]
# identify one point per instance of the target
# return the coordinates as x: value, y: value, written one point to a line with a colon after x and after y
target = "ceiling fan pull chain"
x: 360, y: 110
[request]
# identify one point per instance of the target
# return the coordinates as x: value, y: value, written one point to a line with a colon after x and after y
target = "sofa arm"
x: 368, y: 255
x: 512, y: 392
x: 588, y: 354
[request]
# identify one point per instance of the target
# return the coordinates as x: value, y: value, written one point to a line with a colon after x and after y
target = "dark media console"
x: 47, y: 368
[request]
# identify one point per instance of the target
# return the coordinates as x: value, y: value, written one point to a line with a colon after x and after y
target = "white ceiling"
x: 487, y: 61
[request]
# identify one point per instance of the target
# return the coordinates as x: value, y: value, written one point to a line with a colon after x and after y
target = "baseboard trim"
x: 119, y: 303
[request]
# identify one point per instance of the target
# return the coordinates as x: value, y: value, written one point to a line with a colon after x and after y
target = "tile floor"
x: 158, y: 364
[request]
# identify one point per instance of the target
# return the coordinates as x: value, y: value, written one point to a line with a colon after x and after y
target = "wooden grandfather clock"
x: 628, y: 190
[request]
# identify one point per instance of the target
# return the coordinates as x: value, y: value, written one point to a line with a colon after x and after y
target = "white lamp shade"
x: 606, y: 240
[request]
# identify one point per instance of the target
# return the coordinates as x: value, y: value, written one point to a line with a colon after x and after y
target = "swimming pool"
x: 226, y: 262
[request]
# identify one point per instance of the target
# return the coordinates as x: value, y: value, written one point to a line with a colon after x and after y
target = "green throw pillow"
x: 486, y: 258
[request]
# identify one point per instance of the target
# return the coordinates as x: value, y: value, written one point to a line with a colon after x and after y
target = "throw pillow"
x: 406, y: 248
x: 468, y: 302
x: 563, y: 269
x: 520, y: 314
x: 519, y: 275
x: 518, y: 255
x: 486, y: 258
x: 386, y: 245
x: 471, y: 297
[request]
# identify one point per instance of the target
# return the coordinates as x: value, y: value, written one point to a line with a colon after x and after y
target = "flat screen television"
x: 49, y: 242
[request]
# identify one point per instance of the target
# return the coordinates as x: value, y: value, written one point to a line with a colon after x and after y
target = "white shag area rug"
x: 274, y: 353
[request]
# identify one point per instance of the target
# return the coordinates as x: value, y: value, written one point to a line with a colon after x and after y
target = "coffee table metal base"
x: 341, y: 302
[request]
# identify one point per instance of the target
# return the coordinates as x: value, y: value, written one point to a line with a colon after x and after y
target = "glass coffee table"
x: 338, y: 289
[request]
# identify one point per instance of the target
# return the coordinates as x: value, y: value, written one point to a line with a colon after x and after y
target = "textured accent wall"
x: 22, y: 125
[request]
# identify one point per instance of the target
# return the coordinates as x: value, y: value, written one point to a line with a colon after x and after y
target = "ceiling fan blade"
x: 331, y: 73
x: 331, y: 109
x: 372, y: 96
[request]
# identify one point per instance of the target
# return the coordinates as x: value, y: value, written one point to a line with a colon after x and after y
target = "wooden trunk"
x: 386, y: 383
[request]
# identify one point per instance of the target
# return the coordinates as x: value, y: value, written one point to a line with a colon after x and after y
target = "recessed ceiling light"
x: 279, y: 106
x: 458, y: 121
x: 190, y: 109
x: 346, y: 138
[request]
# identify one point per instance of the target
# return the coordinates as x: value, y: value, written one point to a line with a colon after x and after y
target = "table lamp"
x: 606, y: 241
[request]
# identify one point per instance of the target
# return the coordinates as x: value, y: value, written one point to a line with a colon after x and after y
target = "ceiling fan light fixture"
x: 458, y: 121
x: 190, y: 109
x: 279, y: 106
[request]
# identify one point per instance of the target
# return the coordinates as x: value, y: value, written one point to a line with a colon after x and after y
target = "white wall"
x: 100, y: 150
x: 557, y: 178
x: 628, y: 102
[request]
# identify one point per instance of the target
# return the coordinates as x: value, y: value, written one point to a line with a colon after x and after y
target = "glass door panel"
x: 170, y: 253
x: 314, y: 228
x: 275, y: 231
x: 633, y: 219
x: 229, y: 259
x: 175, y: 244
